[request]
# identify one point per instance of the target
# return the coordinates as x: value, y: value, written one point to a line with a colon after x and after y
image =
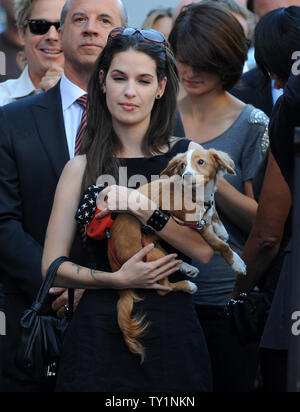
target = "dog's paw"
x: 221, y: 232
x: 224, y: 236
x: 189, y: 270
x: 239, y: 265
x: 192, y: 288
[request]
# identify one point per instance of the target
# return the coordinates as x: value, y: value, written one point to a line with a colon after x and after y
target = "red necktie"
x: 82, y: 101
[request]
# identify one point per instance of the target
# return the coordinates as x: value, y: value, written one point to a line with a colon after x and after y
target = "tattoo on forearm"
x: 79, y: 268
x: 93, y: 274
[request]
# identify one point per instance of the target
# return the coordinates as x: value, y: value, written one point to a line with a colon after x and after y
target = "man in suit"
x: 42, y: 53
x: 37, y: 138
x: 37, y: 26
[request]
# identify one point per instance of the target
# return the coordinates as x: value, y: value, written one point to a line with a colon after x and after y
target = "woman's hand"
x: 120, y: 199
x: 62, y: 300
x: 137, y: 274
x: 51, y: 78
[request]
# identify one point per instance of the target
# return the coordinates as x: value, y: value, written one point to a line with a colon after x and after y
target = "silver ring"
x: 67, y: 309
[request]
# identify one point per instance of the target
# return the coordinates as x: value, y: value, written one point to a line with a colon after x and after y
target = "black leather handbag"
x: 248, y: 314
x: 42, y: 336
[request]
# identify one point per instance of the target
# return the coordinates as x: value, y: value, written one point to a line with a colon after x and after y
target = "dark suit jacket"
x: 33, y: 153
x: 251, y: 91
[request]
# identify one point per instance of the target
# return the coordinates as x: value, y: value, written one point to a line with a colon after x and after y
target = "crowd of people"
x: 84, y: 95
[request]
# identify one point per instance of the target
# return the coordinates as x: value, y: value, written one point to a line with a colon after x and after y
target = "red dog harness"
x: 99, y: 229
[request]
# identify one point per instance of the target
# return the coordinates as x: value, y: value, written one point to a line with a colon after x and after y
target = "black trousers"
x: 234, y: 365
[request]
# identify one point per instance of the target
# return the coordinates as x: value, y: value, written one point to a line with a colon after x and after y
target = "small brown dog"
x: 183, y: 173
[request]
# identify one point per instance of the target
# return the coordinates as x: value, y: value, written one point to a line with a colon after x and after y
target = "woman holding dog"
x: 126, y: 128
x: 211, y: 49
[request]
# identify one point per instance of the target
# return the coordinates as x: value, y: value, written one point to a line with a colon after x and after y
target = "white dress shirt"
x: 275, y: 92
x: 16, y: 89
x: 250, y: 62
x: 72, y: 111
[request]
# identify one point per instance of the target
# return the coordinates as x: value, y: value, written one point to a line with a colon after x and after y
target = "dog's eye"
x: 183, y: 166
x: 201, y: 162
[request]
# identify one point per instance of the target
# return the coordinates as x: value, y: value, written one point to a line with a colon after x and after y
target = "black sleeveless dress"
x: 95, y: 357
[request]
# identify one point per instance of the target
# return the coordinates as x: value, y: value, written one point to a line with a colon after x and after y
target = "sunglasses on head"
x: 40, y: 27
x: 148, y: 34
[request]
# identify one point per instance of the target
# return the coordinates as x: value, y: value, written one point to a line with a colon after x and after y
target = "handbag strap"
x: 71, y: 302
x: 48, y: 282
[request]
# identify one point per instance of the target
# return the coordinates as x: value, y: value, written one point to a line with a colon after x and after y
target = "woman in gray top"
x: 211, y: 50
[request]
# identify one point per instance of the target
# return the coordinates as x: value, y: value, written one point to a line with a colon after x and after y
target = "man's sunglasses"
x: 148, y: 34
x: 40, y: 27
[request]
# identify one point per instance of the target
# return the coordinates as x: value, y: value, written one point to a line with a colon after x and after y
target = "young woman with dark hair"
x: 211, y: 49
x: 280, y: 27
x: 130, y: 117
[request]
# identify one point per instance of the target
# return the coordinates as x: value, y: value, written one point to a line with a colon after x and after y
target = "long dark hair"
x: 276, y: 39
x: 101, y: 143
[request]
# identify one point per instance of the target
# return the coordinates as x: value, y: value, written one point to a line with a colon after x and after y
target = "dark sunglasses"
x: 40, y: 27
x: 148, y: 34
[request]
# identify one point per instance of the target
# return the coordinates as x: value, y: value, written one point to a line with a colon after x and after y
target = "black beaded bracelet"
x: 156, y: 222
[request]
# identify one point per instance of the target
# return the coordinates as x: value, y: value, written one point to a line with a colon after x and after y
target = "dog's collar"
x: 200, y: 225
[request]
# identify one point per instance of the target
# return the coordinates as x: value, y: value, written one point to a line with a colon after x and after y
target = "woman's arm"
x: 239, y: 208
x: 265, y: 238
x: 188, y: 241
x: 60, y: 234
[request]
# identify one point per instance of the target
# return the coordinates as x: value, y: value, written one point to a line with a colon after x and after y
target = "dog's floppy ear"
x: 173, y: 167
x: 226, y: 164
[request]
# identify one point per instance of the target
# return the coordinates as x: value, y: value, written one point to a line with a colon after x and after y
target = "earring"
x: 158, y: 97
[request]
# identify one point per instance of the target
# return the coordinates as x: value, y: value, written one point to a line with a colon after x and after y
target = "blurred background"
x: 137, y: 10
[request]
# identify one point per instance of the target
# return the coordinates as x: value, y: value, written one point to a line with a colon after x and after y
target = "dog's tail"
x: 132, y: 327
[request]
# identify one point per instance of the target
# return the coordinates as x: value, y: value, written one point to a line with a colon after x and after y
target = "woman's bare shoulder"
x: 74, y: 170
x: 77, y: 164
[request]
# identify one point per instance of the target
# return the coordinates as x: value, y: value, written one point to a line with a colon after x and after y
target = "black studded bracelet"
x: 156, y: 222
